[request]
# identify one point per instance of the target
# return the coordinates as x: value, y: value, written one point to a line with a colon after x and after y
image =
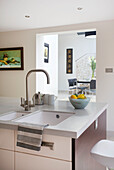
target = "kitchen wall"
x: 51, y: 67
x: 81, y: 46
x: 12, y: 83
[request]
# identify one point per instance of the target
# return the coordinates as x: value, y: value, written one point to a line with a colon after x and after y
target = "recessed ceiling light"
x: 27, y: 16
x: 79, y: 8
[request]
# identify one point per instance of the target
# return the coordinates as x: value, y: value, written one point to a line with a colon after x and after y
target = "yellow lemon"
x: 73, y: 97
x: 81, y: 96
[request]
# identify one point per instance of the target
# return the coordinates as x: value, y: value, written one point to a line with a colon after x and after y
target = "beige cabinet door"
x: 32, y: 162
x: 6, y: 160
x: 62, y: 147
x: 7, y: 139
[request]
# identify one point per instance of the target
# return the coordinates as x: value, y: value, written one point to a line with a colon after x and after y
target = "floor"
x: 110, y: 136
x: 64, y: 96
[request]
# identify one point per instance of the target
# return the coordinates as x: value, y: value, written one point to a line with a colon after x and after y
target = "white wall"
x: 12, y: 83
x: 51, y: 67
x: 81, y: 46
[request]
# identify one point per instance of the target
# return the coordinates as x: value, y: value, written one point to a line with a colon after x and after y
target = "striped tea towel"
x: 30, y: 136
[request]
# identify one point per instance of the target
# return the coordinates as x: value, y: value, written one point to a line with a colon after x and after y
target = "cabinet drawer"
x: 32, y: 162
x: 6, y: 160
x: 62, y: 148
x: 7, y: 139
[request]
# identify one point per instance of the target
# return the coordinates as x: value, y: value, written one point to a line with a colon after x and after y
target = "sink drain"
x: 57, y: 116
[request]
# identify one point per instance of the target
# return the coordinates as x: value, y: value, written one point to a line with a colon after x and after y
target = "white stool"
x: 103, y: 152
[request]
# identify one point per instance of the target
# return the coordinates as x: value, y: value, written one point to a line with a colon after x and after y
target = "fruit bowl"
x: 79, y: 103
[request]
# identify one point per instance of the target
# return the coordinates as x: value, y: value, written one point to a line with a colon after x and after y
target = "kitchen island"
x: 71, y: 139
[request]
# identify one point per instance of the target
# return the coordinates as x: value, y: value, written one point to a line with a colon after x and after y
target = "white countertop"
x: 72, y: 127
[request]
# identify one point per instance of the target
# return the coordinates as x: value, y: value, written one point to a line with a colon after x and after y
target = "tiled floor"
x: 64, y: 95
x: 110, y: 137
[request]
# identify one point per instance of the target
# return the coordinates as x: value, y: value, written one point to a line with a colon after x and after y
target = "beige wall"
x: 13, y: 82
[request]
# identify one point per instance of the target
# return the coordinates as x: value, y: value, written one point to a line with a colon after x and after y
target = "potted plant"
x: 93, y: 65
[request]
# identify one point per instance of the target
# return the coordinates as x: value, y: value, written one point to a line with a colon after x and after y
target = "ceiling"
x: 47, y: 13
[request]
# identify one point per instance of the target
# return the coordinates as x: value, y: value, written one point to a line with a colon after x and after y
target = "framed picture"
x: 69, y: 61
x: 11, y: 58
x: 46, y: 53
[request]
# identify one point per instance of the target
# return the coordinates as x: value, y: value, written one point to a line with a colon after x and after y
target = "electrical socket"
x: 108, y: 70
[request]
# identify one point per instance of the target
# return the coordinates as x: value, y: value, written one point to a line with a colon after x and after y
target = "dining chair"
x: 74, y: 88
x: 72, y: 85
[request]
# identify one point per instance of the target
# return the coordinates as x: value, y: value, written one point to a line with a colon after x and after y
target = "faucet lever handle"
x: 33, y: 99
x: 22, y: 101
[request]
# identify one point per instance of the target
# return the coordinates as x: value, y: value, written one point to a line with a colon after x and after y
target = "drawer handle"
x: 48, y: 144
x: 96, y: 124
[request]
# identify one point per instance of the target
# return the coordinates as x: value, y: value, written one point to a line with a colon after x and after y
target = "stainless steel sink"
x: 45, y: 117
x: 12, y: 115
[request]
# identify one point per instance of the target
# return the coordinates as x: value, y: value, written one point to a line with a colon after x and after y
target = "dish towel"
x: 30, y: 136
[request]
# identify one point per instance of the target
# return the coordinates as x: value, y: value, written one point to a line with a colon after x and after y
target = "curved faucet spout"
x: 39, y: 70
x: 27, y: 95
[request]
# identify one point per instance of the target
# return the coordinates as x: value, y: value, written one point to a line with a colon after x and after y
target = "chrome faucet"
x: 26, y: 103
